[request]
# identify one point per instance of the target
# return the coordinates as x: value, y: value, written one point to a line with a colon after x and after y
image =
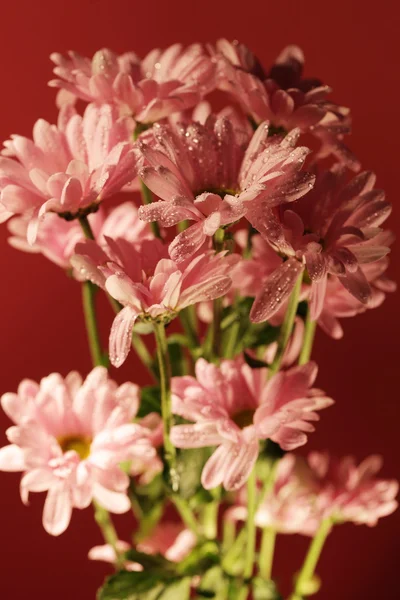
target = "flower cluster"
x: 307, y: 491
x: 256, y: 224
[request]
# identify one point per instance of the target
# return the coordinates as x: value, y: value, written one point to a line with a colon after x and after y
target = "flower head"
x: 67, y: 169
x: 69, y: 438
x: 214, y: 174
x: 233, y: 408
x: 149, y: 284
x: 333, y: 231
x: 350, y: 492
x: 283, y: 97
x: 289, y: 507
x: 162, y: 83
x: 57, y: 238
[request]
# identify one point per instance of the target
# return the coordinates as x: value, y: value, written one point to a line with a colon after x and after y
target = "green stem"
x: 166, y: 409
x: 216, y: 328
x: 266, y: 556
x: 219, y: 237
x: 147, y: 198
x: 228, y: 534
x: 189, y: 323
x: 186, y: 514
x: 309, y: 333
x: 231, y: 341
x: 311, y: 560
x: 267, y: 552
x: 287, y: 327
x: 234, y: 551
x: 144, y: 355
x: 88, y: 301
x: 269, y: 481
x: 102, y: 516
x: 86, y: 228
x: 210, y: 519
x: 107, y: 528
x: 251, y: 525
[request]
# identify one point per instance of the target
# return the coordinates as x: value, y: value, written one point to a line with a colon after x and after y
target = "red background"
x: 353, y: 46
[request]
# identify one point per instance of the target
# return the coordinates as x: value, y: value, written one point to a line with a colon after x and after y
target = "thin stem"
x: 231, y: 339
x: 144, y: 355
x: 269, y: 481
x: 234, y: 551
x: 228, y: 534
x: 189, y: 323
x: 210, y: 519
x: 147, y: 198
x: 219, y: 237
x: 166, y: 410
x: 102, y: 516
x: 86, y: 228
x: 251, y: 525
x: 267, y: 552
x: 287, y: 327
x: 107, y: 528
x: 216, y: 327
x: 186, y: 514
x: 88, y: 301
x: 309, y: 333
x: 311, y: 560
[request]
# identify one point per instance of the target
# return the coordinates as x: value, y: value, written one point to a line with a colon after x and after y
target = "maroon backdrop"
x: 351, y: 46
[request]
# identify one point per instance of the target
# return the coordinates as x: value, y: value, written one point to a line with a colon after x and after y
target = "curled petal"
x: 276, y: 290
x: 121, y: 335
x: 57, y: 510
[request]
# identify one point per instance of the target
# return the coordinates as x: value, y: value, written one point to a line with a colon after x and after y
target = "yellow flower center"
x: 80, y: 444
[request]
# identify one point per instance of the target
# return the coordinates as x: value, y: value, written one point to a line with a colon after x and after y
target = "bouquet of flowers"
x: 256, y: 226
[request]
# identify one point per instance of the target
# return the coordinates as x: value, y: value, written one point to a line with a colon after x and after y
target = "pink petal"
x: 215, y: 468
x: 121, y: 335
x: 277, y: 289
x: 57, y: 510
x: 12, y: 458
x: 115, y: 502
x: 239, y: 470
x: 199, y: 435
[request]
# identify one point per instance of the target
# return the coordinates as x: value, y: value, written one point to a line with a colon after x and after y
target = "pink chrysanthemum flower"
x: 212, y: 173
x: 67, y: 169
x: 170, y: 539
x: 283, y: 97
x: 351, y: 492
x: 149, y: 284
x: 339, y: 304
x: 69, y: 438
x: 289, y: 507
x: 334, y: 230
x: 57, y: 238
x: 234, y: 407
x: 162, y: 83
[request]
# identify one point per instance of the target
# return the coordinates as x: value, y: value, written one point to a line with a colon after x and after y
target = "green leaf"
x: 131, y: 585
x: 150, y: 401
x: 154, y: 562
x: 176, y: 591
x: 145, y: 585
x: 202, y: 558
